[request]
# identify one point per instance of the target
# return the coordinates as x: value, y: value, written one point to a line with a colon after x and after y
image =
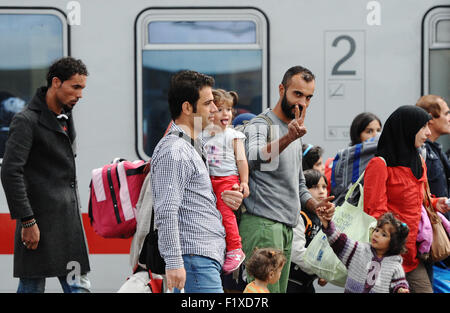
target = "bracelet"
x: 28, y: 224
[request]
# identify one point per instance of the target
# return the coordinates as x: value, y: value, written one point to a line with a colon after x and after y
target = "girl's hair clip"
x: 307, y: 149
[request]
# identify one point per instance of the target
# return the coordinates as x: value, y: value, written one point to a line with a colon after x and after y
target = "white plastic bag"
x: 140, y: 282
x: 352, y: 221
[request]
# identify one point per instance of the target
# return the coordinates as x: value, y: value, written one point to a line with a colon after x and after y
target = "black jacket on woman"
x: 39, y: 179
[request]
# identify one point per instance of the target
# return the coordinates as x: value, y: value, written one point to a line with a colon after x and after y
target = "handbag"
x: 349, y: 219
x: 150, y: 255
x: 440, y: 246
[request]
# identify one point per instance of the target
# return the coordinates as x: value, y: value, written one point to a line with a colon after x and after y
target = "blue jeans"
x: 202, y: 274
x: 37, y: 285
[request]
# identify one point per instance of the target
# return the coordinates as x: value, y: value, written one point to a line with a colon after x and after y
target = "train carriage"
x: 366, y: 55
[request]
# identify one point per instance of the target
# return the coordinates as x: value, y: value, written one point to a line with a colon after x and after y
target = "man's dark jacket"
x: 438, y: 169
x: 38, y: 177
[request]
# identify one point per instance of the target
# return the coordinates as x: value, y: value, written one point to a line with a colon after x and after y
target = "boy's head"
x: 316, y: 182
x: 390, y: 235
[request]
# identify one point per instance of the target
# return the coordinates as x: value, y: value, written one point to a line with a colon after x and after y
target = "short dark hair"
x: 307, y: 75
x: 312, y: 177
x: 311, y: 156
x: 185, y: 86
x: 65, y: 68
x: 263, y: 261
x: 398, y: 236
x: 360, y: 123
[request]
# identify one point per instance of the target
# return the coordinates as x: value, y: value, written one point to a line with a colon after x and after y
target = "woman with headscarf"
x: 395, y: 179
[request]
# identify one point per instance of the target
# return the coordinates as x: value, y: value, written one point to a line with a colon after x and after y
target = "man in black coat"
x: 39, y: 179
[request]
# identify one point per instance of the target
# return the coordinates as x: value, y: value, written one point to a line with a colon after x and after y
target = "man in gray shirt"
x: 277, y: 185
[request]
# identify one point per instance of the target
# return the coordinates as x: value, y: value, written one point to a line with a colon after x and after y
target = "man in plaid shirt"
x: 191, y: 234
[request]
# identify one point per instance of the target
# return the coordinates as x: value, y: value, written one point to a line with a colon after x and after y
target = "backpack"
x: 243, y: 126
x: 114, y: 192
x: 348, y: 165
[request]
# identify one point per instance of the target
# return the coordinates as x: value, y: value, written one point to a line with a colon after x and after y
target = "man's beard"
x: 287, y: 107
x: 67, y: 108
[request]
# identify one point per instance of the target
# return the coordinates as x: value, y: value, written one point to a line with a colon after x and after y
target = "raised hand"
x: 296, y: 127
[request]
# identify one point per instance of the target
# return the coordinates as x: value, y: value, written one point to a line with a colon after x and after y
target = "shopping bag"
x: 349, y: 219
x: 142, y: 281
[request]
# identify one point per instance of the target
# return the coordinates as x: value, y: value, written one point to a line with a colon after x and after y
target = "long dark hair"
x: 398, y: 236
x: 360, y: 123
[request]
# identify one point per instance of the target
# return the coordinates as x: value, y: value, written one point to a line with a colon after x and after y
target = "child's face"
x: 319, y: 166
x: 224, y: 114
x: 319, y: 191
x: 381, y: 237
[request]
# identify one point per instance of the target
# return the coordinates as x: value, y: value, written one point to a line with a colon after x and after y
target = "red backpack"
x: 114, y: 192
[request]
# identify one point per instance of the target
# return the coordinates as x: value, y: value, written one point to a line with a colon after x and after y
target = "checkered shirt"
x: 186, y: 216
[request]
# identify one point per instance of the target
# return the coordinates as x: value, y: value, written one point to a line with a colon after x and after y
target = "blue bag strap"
x: 333, y: 169
x: 356, y: 158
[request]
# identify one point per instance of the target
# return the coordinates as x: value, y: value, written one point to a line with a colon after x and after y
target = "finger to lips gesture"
x: 296, y: 127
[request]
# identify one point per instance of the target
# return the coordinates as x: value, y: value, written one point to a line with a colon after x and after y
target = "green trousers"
x: 259, y: 232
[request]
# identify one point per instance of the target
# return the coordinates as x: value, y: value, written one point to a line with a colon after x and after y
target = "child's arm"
x: 399, y: 283
x: 343, y: 247
x: 242, y: 165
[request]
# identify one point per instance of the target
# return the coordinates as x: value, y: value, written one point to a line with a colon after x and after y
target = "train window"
x: 31, y: 40
x: 436, y: 57
x: 202, y: 32
x: 228, y: 44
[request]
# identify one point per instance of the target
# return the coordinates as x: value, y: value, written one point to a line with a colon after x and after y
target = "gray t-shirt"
x: 277, y: 187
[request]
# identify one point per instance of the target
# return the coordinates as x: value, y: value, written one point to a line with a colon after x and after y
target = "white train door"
x: 436, y: 57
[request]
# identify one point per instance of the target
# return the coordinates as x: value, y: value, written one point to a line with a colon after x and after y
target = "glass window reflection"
x: 201, y: 32
x: 238, y: 70
x: 29, y: 44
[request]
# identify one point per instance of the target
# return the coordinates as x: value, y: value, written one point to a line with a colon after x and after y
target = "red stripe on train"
x: 97, y: 244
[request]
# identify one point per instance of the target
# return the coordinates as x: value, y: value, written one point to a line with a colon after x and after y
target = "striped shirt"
x: 186, y: 216
x: 367, y: 273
